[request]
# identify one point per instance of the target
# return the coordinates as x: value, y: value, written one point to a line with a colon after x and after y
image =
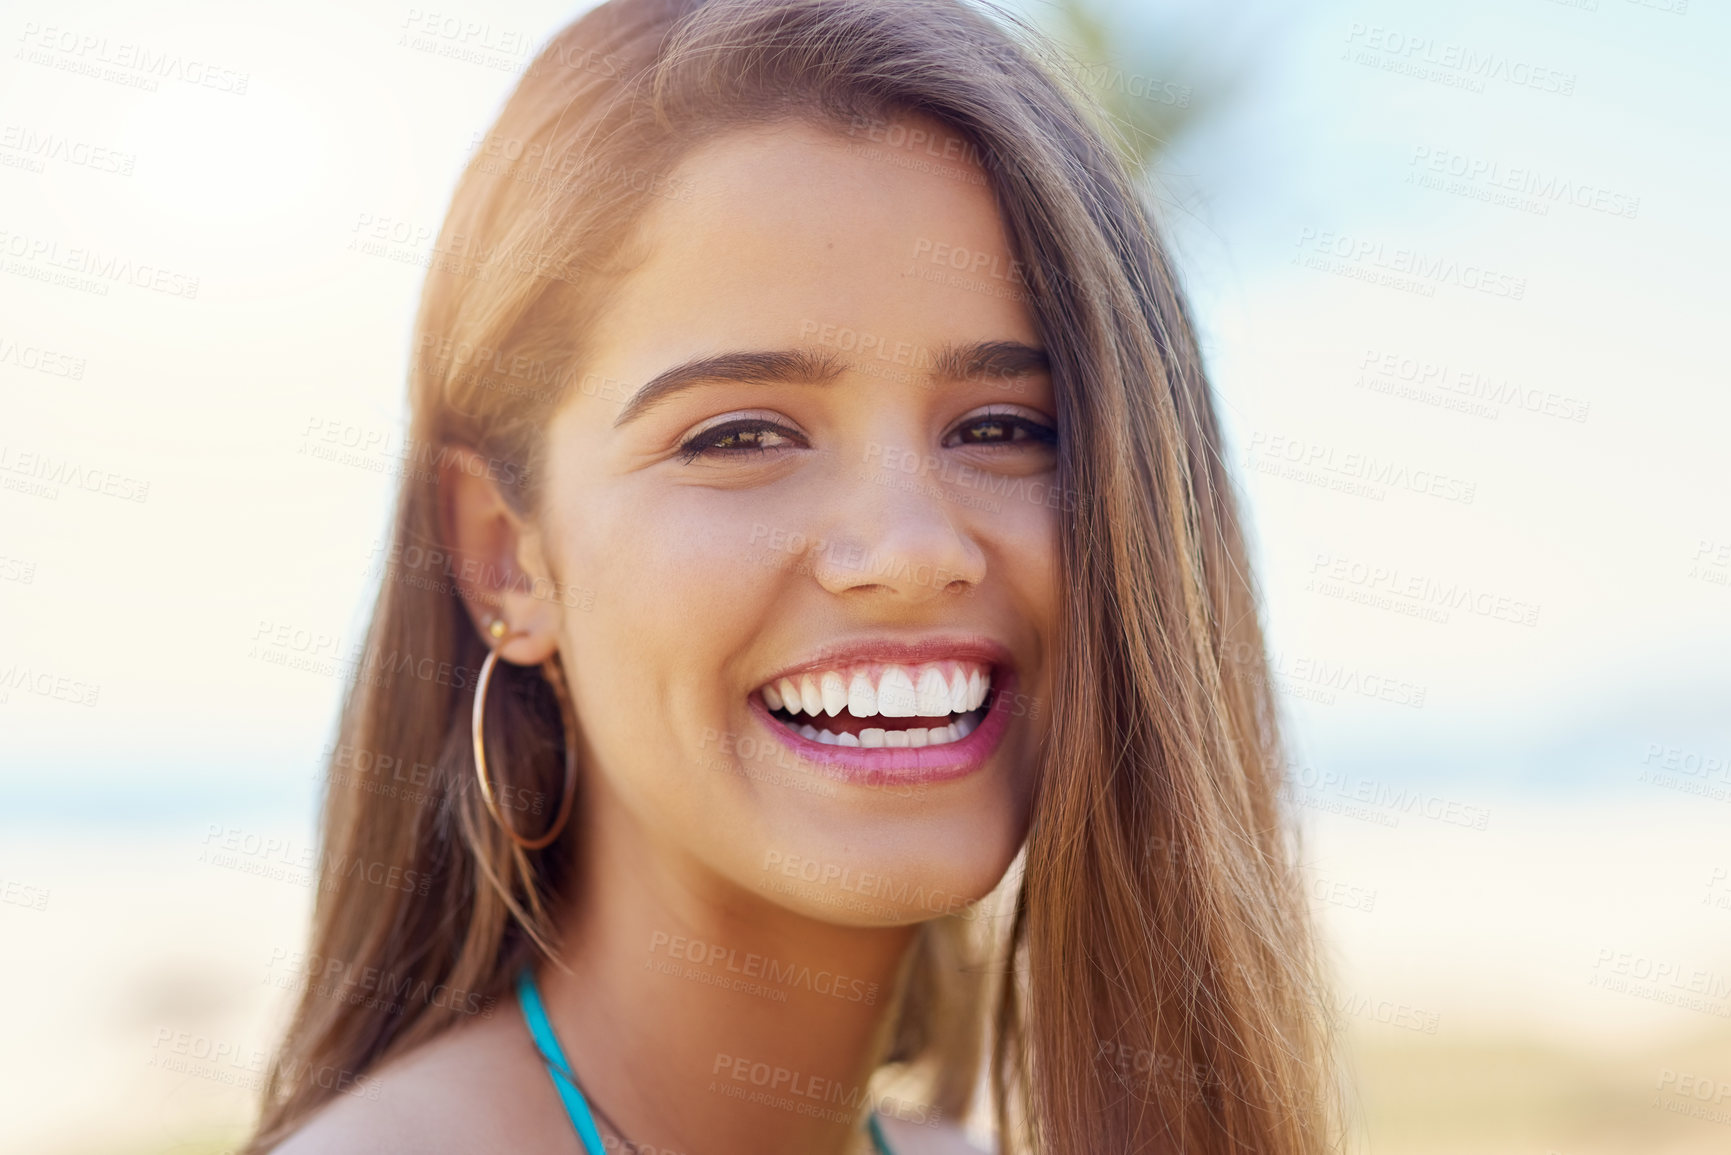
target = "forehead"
x: 788, y: 233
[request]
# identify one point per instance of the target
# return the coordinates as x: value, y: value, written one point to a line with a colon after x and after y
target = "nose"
x: 898, y: 537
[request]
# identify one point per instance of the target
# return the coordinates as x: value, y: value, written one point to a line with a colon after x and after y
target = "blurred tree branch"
x: 1151, y: 93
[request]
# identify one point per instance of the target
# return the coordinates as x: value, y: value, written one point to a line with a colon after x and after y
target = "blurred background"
x: 1461, y: 274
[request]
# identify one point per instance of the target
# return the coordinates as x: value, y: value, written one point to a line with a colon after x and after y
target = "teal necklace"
x: 565, y: 1080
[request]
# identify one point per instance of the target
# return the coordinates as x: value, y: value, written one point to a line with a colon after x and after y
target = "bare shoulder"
x: 476, y: 1088
x: 933, y: 1138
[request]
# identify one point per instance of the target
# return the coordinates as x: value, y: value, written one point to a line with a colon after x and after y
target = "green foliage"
x: 1150, y: 93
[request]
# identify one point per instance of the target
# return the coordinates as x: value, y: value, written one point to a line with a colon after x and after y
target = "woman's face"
x: 804, y: 487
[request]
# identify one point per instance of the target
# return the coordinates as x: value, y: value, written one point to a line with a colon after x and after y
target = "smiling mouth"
x: 877, y: 704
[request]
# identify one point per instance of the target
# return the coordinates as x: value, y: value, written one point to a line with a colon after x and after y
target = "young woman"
x: 818, y: 526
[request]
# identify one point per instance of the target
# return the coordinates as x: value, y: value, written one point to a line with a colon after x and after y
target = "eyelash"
x: 706, y: 442
x: 1036, y: 431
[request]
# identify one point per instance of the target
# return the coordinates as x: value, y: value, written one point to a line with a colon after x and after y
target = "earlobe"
x: 520, y: 645
x: 498, y: 562
x: 529, y: 604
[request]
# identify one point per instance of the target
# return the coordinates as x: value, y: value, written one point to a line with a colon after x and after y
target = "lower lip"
x: 875, y: 766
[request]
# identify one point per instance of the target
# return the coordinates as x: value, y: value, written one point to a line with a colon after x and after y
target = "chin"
x: 942, y: 859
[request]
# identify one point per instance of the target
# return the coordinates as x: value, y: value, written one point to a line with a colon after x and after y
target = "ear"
x: 501, y: 567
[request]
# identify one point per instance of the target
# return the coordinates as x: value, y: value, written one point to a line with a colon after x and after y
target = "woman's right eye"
x: 735, y: 437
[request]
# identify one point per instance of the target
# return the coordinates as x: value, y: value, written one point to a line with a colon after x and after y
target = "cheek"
x: 1025, y: 548
x: 696, y: 572
x: 679, y: 588
x: 1025, y: 536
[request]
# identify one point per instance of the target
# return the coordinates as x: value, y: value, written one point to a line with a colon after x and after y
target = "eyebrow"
x: 808, y: 367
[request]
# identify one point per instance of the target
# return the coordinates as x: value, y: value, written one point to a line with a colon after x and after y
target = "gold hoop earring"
x: 497, y: 630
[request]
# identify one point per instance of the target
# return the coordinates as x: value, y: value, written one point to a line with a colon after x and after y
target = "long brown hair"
x: 1155, y: 987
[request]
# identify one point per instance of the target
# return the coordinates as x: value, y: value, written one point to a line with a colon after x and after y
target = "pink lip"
x: 932, y: 649
x: 902, y: 764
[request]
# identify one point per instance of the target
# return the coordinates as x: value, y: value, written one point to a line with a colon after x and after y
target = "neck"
x: 701, y: 1018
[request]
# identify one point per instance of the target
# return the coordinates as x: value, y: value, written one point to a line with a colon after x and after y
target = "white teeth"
x: 879, y: 737
x: 896, y: 693
x: 809, y: 696
x: 958, y: 693
x: 932, y: 690
x: 933, y: 694
x: 834, y: 693
x: 862, y: 700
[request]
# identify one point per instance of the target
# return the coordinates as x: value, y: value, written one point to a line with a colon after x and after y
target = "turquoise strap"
x: 576, y: 1107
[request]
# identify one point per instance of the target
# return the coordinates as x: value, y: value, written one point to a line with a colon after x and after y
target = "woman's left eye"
x: 1001, y: 429
x: 736, y: 437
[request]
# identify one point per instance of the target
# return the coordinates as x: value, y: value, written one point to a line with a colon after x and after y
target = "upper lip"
x: 900, y: 651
